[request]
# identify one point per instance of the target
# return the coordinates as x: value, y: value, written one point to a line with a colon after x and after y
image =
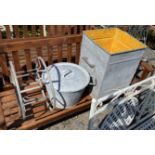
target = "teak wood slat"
x: 50, y: 54
x: 33, y: 28
x: 81, y: 28
x: 36, y: 31
x: 87, y: 27
x: 39, y: 51
x: 147, y: 69
x: 77, y: 57
x: 38, y: 42
x: 3, y: 64
x: 28, y: 59
x: 8, y: 32
x: 41, y: 30
x: 26, y: 32
x: 69, y: 29
x: 51, y: 30
x: 0, y: 34
x: 41, y: 115
x: 75, y: 30
x: 2, y: 118
x: 16, y: 31
x: 16, y: 60
x: 59, y: 29
x: 55, y: 117
x: 59, y: 53
x: 69, y: 52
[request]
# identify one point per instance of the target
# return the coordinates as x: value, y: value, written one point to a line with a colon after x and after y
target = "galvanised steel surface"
x: 69, y: 81
x: 111, y: 57
x: 64, y: 83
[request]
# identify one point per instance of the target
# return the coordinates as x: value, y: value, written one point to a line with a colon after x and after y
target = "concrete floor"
x: 80, y: 122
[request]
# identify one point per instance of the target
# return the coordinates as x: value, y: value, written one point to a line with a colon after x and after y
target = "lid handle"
x: 67, y: 72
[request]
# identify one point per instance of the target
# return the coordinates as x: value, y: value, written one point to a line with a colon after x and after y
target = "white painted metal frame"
x: 105, y: 105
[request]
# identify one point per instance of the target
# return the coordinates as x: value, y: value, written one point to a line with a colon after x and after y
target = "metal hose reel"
x: 23, y: 98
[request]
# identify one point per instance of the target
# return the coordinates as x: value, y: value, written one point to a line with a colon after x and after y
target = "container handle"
x: 67, y: 73
x: 41, y: 62
x: 88, y: 63
x: 93, y: 82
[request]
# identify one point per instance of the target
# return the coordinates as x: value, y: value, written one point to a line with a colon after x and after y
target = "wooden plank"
x: 8, y: 32
x: 51, y: 30
x: 9, y: 98
x: 81, y: 28
x: 48, y: 30
x: 50, y: 55
x: 75, y: 29
x: 16, y: 30
x: 7, y: 93
x: 11, y: 111
x: 148, y: 66
x: 5, y: 70
x: 63, y: 30
x: 42, y: 115
x: 10, y: 105
x: 0, y: 34
x: 16, y: 60
x: 28, y: 43
x: 69, y: 52
x: 64, y: 40
x: 69, y: 29
x: 26, y: 33
x: 33, y: 28
x: 57, y: 116
x: 87, y: 27
x: 77, y: 57
x: 2, y: 118
x: 28, y: 59
x: 12, y: 119
x: 66, y: 29
x: 59, y: 53
x: 41, y: 30
x: 59, y: 31
x: 39, y: 51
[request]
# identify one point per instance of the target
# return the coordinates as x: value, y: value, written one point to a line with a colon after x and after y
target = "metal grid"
x: 126, y: 108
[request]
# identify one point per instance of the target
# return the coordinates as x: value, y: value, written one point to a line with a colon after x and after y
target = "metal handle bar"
x: 87, y: 62
x: 40, y: 61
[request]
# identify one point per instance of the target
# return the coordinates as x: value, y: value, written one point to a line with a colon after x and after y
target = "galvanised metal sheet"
x: 111, y: 57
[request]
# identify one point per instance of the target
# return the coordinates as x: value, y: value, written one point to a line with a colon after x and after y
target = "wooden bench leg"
x: 2, y: 120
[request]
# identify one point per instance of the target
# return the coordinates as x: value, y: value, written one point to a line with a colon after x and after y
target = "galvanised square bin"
x: 111, y: 56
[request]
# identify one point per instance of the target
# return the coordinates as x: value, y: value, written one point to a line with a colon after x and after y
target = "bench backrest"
x: 23, y: 53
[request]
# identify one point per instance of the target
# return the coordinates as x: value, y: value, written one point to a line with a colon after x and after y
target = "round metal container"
x: 69, y: 81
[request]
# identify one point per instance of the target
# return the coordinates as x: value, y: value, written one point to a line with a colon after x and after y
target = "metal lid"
x: 67, y: 77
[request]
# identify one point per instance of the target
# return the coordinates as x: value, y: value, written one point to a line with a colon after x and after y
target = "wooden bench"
x: 23, y: 53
